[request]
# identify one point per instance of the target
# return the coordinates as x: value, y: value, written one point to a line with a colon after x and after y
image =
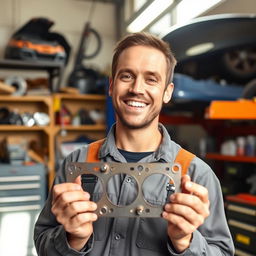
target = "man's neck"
x: 138, y: 140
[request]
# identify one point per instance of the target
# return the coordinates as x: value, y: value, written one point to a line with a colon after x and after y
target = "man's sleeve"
x: 49, y: 236
x: 213, y: 238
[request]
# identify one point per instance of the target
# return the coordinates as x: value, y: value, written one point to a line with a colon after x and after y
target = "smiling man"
x: 138, y: 89
x: 193, y: 221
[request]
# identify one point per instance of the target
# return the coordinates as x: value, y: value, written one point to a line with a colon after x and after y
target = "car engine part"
x: 169, y: 176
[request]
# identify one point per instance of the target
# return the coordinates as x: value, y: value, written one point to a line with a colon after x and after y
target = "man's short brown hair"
x: 145, y: 39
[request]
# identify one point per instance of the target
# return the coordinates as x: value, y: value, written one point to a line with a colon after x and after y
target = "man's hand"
x: 186, y: 212
x: 72, y: 208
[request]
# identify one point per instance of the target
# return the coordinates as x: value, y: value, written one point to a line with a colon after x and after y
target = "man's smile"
x: 137, y: 104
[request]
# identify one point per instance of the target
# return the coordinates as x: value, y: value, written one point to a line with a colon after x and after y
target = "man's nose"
x: 137, y: 86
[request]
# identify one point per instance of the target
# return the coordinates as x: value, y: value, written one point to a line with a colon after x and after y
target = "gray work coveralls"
x: 138, y: 236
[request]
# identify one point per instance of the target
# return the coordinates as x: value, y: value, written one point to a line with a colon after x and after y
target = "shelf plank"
x: 13, y: 128
x: 94, y: 127
x: 80, y: 96
x: 28, y: 98
x: 240, y: 110
x: 216, y: 156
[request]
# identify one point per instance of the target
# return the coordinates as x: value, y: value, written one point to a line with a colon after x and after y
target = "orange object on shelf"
x: 240, y: 109
x: 244, y: 198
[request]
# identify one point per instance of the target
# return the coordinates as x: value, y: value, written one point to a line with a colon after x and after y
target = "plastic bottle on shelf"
x: 232, y: 147
x: 76, y: 120
x: 202, y: 147
x: 228, y: 148
x: 250, y: 145
x: 65, y: 116
x: 240, y: 146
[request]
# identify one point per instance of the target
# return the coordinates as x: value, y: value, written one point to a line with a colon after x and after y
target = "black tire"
x: 240, y: 64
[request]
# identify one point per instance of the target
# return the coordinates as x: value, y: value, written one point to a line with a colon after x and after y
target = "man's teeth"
x: 136, y: 104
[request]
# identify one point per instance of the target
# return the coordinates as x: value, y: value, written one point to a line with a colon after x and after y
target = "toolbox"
x: 22, y: 196
x: 241, y: 215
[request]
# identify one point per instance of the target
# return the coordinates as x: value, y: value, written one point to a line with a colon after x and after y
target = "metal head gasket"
x: 139, y: 172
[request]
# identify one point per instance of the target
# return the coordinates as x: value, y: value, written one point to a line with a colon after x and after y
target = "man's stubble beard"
x: 146, y: 123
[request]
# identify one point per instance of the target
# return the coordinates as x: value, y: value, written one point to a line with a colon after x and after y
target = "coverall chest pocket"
x: 152, y: 235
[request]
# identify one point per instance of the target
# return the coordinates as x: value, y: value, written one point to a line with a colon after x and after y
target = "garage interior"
x: 52, y: 105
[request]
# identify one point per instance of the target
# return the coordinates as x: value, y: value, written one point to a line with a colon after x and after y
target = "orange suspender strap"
x: 184, y: 158
x: 89, y: 180
x: 93, y: 151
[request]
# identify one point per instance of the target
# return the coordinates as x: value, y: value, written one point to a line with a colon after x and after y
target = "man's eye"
x: 152, y: 80
x: 126, y: 77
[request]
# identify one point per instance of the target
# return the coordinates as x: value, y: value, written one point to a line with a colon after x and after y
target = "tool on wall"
x: 82, y: 77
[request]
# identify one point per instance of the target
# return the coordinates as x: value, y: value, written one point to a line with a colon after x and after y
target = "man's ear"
x: 110, y: 88
x: 168, y: 93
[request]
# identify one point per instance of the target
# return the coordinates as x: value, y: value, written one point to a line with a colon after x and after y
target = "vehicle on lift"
x: 221, y: 48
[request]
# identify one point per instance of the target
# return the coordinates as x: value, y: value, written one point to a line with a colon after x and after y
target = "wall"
x: 69, y: 17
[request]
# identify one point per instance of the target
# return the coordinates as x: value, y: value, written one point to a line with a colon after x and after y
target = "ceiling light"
x: 199, y: 49
x: 148, y: 15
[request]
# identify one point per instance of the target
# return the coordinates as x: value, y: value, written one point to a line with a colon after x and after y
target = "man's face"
x: 138, y: 88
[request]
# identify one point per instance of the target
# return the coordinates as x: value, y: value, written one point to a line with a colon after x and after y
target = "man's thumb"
x: 184, y: 179
x: 78, y: 180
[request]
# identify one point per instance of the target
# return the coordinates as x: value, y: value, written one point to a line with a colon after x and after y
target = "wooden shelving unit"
x: 47, y: 136
x: 75, y: 102
x: 43, y: 135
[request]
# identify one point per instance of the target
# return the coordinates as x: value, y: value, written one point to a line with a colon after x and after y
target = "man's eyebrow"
x: 127, y: 70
